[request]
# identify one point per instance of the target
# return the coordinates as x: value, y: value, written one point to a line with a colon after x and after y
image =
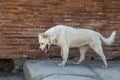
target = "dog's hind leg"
x: 99, y: 50
x: 83, y: 50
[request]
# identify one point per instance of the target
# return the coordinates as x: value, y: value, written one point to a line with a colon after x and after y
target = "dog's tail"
x: 109, y: 40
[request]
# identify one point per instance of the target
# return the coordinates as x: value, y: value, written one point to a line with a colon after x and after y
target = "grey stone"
x: 11, y: 76
x: 67, y: 77
x: 111, y: 73
x: 37, y: 70
x: 88, y: 70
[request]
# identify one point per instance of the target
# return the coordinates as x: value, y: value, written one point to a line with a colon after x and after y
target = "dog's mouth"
x: 46, y: 48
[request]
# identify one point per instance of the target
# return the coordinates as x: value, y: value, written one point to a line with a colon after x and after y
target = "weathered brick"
x: 22, y: 20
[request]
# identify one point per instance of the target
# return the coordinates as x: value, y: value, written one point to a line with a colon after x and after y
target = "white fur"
x: 67, y: 37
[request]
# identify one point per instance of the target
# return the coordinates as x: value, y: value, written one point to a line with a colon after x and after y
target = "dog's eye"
x: 41, y: 43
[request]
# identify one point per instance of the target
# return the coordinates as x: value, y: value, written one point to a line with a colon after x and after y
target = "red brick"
x: 22, y: 20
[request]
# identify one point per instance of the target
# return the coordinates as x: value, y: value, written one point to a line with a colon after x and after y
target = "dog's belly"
x: 77, y: 43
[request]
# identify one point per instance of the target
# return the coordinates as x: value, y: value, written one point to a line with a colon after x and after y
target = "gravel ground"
x: 11, y: 76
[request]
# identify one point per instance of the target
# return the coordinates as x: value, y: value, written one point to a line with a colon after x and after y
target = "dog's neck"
x: 53, y: 40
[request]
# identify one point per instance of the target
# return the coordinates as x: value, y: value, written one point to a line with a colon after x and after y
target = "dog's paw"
x: 104, y: 67
x: 76, y: 63
x: 60, y: 64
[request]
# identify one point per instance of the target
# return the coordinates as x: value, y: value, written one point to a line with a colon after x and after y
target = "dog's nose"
x: 40, y: 48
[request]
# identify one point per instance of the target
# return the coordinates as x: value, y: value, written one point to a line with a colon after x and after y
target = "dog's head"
x: 44, y: 42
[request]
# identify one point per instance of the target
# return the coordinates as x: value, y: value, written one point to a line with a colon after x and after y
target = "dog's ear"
x: 43, y: 35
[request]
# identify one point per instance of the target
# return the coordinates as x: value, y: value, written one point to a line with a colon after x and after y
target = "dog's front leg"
x: 64, y: 55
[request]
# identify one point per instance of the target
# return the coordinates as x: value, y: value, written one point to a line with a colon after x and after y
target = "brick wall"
x: 21, y: 20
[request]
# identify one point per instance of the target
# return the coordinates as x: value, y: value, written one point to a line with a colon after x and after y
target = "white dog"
x: 67, y: 37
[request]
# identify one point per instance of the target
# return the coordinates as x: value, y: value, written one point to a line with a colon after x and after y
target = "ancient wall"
x: 22, y: 20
